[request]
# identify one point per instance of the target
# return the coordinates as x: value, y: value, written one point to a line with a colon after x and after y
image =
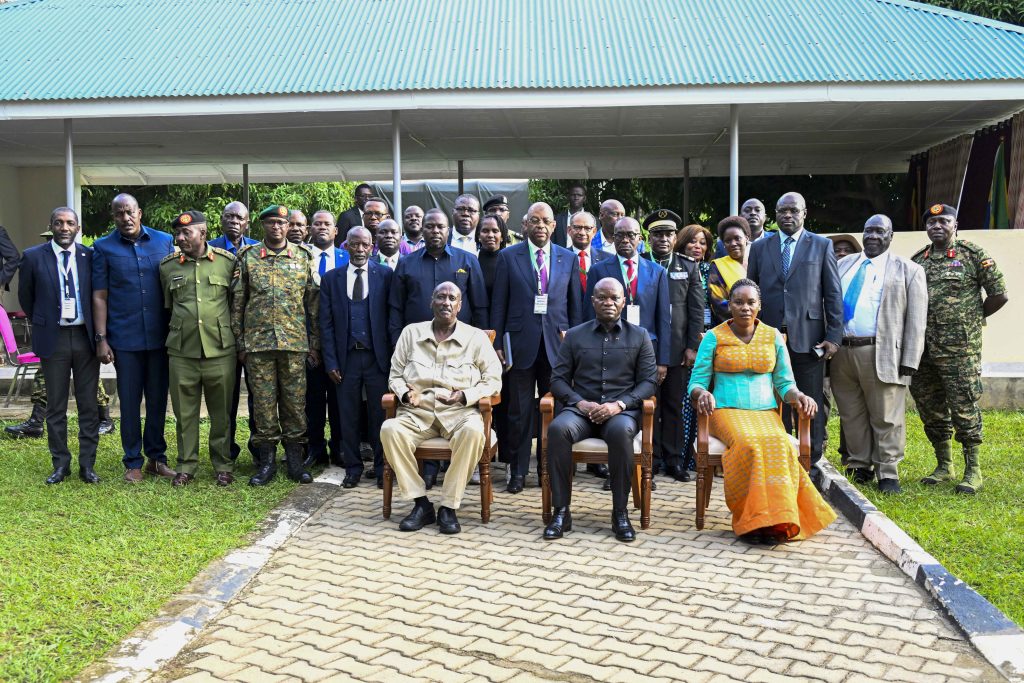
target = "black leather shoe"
x: 429, y: 480
x: 87, y: 475
x: 889, y: 486
x: 59, y: 475
x: 370, y: 474
x: 351, y: 481
x: 447, y: 522
x: 860, y: 475
x: 598, y: 470
x: 561, y: 522
x: 515, y: 485
x: 420, y: 516
x: 607, y: 486
x: 676, y: 472
x: 621, y: 527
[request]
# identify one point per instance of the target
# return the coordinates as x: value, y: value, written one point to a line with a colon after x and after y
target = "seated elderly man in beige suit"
x: 885, y: 308
x: 440, y: 370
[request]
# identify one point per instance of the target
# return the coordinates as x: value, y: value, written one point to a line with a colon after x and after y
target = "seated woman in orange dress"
x: 770, y: 495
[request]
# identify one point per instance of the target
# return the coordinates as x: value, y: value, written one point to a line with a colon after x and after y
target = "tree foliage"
x: 161, y: 203
x: 1011, y: 11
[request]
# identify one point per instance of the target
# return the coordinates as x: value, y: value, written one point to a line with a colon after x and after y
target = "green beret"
x: 662, y: 219
x: 188, y: 218
x: 274, y: 211
x: 939, y: 210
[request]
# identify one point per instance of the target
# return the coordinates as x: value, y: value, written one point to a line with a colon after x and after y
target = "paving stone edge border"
x: 157, y: 641
x: 996, y: 637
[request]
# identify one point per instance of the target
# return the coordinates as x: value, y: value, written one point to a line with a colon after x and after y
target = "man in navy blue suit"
x: 536, y: 299
x: 321, y: 393
x: 646, y: 289
x: 55, y: 291
x: 356, y: 347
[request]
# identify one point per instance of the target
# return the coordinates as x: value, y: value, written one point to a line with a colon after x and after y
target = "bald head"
x: 540, y: 222
x: 790, y: 212
x: 608, y: 299
x: 611, y: 211
x: 445, y: 304
x: 877, y: 235
x: 127, y: 216
x: 627, y: 237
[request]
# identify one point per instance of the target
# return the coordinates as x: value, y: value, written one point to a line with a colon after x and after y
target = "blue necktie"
x: 853, y: 292
x: 787, y: 256
x: 323, y: 263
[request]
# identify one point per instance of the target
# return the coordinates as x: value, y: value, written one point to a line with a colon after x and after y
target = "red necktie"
x: 583, y: 270
x: 631, y: 276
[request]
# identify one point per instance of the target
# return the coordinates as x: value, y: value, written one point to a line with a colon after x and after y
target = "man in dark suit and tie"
x: 576, y: 198
x: 353, y: 217
x: 356, y: 347
x: 802, y: 297
x: 321, y: 393
x: 601, y: 400
x: 536, y: 298
x: 55, y: 291
x: 686, y: 297
x: 10, y: 258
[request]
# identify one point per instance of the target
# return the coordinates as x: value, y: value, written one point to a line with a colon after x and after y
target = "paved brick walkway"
x: 349, y: 597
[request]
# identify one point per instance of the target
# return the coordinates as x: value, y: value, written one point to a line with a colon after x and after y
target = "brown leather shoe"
x: 159, y: 469
x: 133, y: 476
x: 182, y: 479
x: 225, y: 479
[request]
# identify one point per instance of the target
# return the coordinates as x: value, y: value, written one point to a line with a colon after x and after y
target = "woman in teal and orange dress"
x: 734, y: 231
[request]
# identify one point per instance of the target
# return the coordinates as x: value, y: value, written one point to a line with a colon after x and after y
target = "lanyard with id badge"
x: 632, y: 309
x: 68, y: 305
x: 540, y: 301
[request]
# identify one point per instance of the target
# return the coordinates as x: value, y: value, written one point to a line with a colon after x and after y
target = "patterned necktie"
x: 542, y: 272
x: 583, y: 270
x: 787, y: 256
x: 69, y: 283
x: 323, y: 263
x: 853, y: 292
x: 631, y: 276
x: 357, y: 286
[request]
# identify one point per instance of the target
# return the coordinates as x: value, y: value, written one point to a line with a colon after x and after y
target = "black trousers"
x: 73, y: 356
x: 668, y: 417
x: 233, y: 417
x: 321, y: 411
x: 809, y: 373
x: 524, y: 409
x: 569, y: 427
x: 361, y: 373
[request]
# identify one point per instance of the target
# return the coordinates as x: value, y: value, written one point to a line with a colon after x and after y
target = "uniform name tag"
x: 633, y: 314
x: 540, y: 304
x: 67, y: 309
x: 679, y: 275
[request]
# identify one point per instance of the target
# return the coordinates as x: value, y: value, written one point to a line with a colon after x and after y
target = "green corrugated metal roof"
x: 93, y: 49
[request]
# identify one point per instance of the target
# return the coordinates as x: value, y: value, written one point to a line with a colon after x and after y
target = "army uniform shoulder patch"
x: 173, y: 256
x: 243, y: 250
x: 987, y: 262
x: 224, y: 252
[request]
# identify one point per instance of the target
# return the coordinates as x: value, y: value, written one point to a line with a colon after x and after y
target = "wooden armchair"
x: 595, y: 451
x: 709, y: 450
x: 440, y: 449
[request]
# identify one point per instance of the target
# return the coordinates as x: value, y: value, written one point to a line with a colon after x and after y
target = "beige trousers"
x: 400, y: 437
x: 873, y: 413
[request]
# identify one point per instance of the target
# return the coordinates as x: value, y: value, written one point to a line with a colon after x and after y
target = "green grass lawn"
x: 81, y: 566
x: 980, y: 538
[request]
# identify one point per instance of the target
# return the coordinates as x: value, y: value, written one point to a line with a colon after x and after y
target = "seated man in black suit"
x: 55, y: 291
x: 602, y: 399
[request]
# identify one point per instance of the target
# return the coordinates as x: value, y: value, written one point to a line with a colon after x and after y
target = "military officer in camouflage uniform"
x: 274, y: 316
x: 200, y: 345
x: 947, y: 385
x: 32, y: 428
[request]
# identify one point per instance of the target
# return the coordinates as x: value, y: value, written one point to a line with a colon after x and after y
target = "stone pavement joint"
x: 349, y: 597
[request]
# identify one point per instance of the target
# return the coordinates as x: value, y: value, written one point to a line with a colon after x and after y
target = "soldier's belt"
x: 858, y: 341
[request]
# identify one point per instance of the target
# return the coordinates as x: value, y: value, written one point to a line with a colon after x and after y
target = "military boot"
x: 32, y: 428
x: 293, y: 457
x: 265, y: 459
x: 944, y: 470
x: 106, y: 423
x: 972, y: 471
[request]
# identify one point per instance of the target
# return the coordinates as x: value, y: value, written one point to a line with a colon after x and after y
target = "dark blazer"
x: 687, y: 298
x: 346, y: 221
x: 560, y: 235
x: 515, y: 286
x: 581, y: 372
x: 39, y: 294
x: 808, y: 303
x: 334, y: 310
x: 10, y: 259
x: 652, y: 295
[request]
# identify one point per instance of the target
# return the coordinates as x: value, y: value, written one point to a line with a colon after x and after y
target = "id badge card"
x: 633, y: 314
x: 540, y: 304
x: 67, y: 309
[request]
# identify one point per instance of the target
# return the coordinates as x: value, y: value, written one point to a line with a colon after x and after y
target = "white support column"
x: 396, y: 165
x: 69, y: 165
x: 734, y: 159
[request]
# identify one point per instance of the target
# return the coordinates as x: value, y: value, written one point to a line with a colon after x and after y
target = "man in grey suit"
x: 885, y: 309
x: 802, y: 298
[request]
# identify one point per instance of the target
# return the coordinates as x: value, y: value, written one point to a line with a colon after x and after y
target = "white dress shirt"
x: 796, y: 240
x: 352, y: 279
x: 865, y: 316
x: 389, y: 261
x: 464, y: 242
x: 587, y: 257
x: 73, y: 263
x: 316, y: 262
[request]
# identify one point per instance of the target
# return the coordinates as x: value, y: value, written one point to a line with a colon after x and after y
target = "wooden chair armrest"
x: 803, y: 430
x: 703, y: 435
x: 484, y: 404
x: 389, y: 403
x: 547, y: 413
x: 647, y: 426
x: 495, y: 399
x: 547, y: 404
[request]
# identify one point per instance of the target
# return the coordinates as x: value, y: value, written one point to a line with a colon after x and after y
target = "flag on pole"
x: 997, y: 215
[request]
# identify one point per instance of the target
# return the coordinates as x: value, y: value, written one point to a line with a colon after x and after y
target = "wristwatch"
x: 621, y: 405
x: 99, y: 337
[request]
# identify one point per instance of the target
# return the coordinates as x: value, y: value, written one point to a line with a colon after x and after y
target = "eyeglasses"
x: 534, y: 220
x: 466, y: 209
x: 374, y: 214
x: 626, y: 236
x: 581, y: 228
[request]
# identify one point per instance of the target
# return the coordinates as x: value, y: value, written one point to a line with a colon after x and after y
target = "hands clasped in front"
x: 599, y: 413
